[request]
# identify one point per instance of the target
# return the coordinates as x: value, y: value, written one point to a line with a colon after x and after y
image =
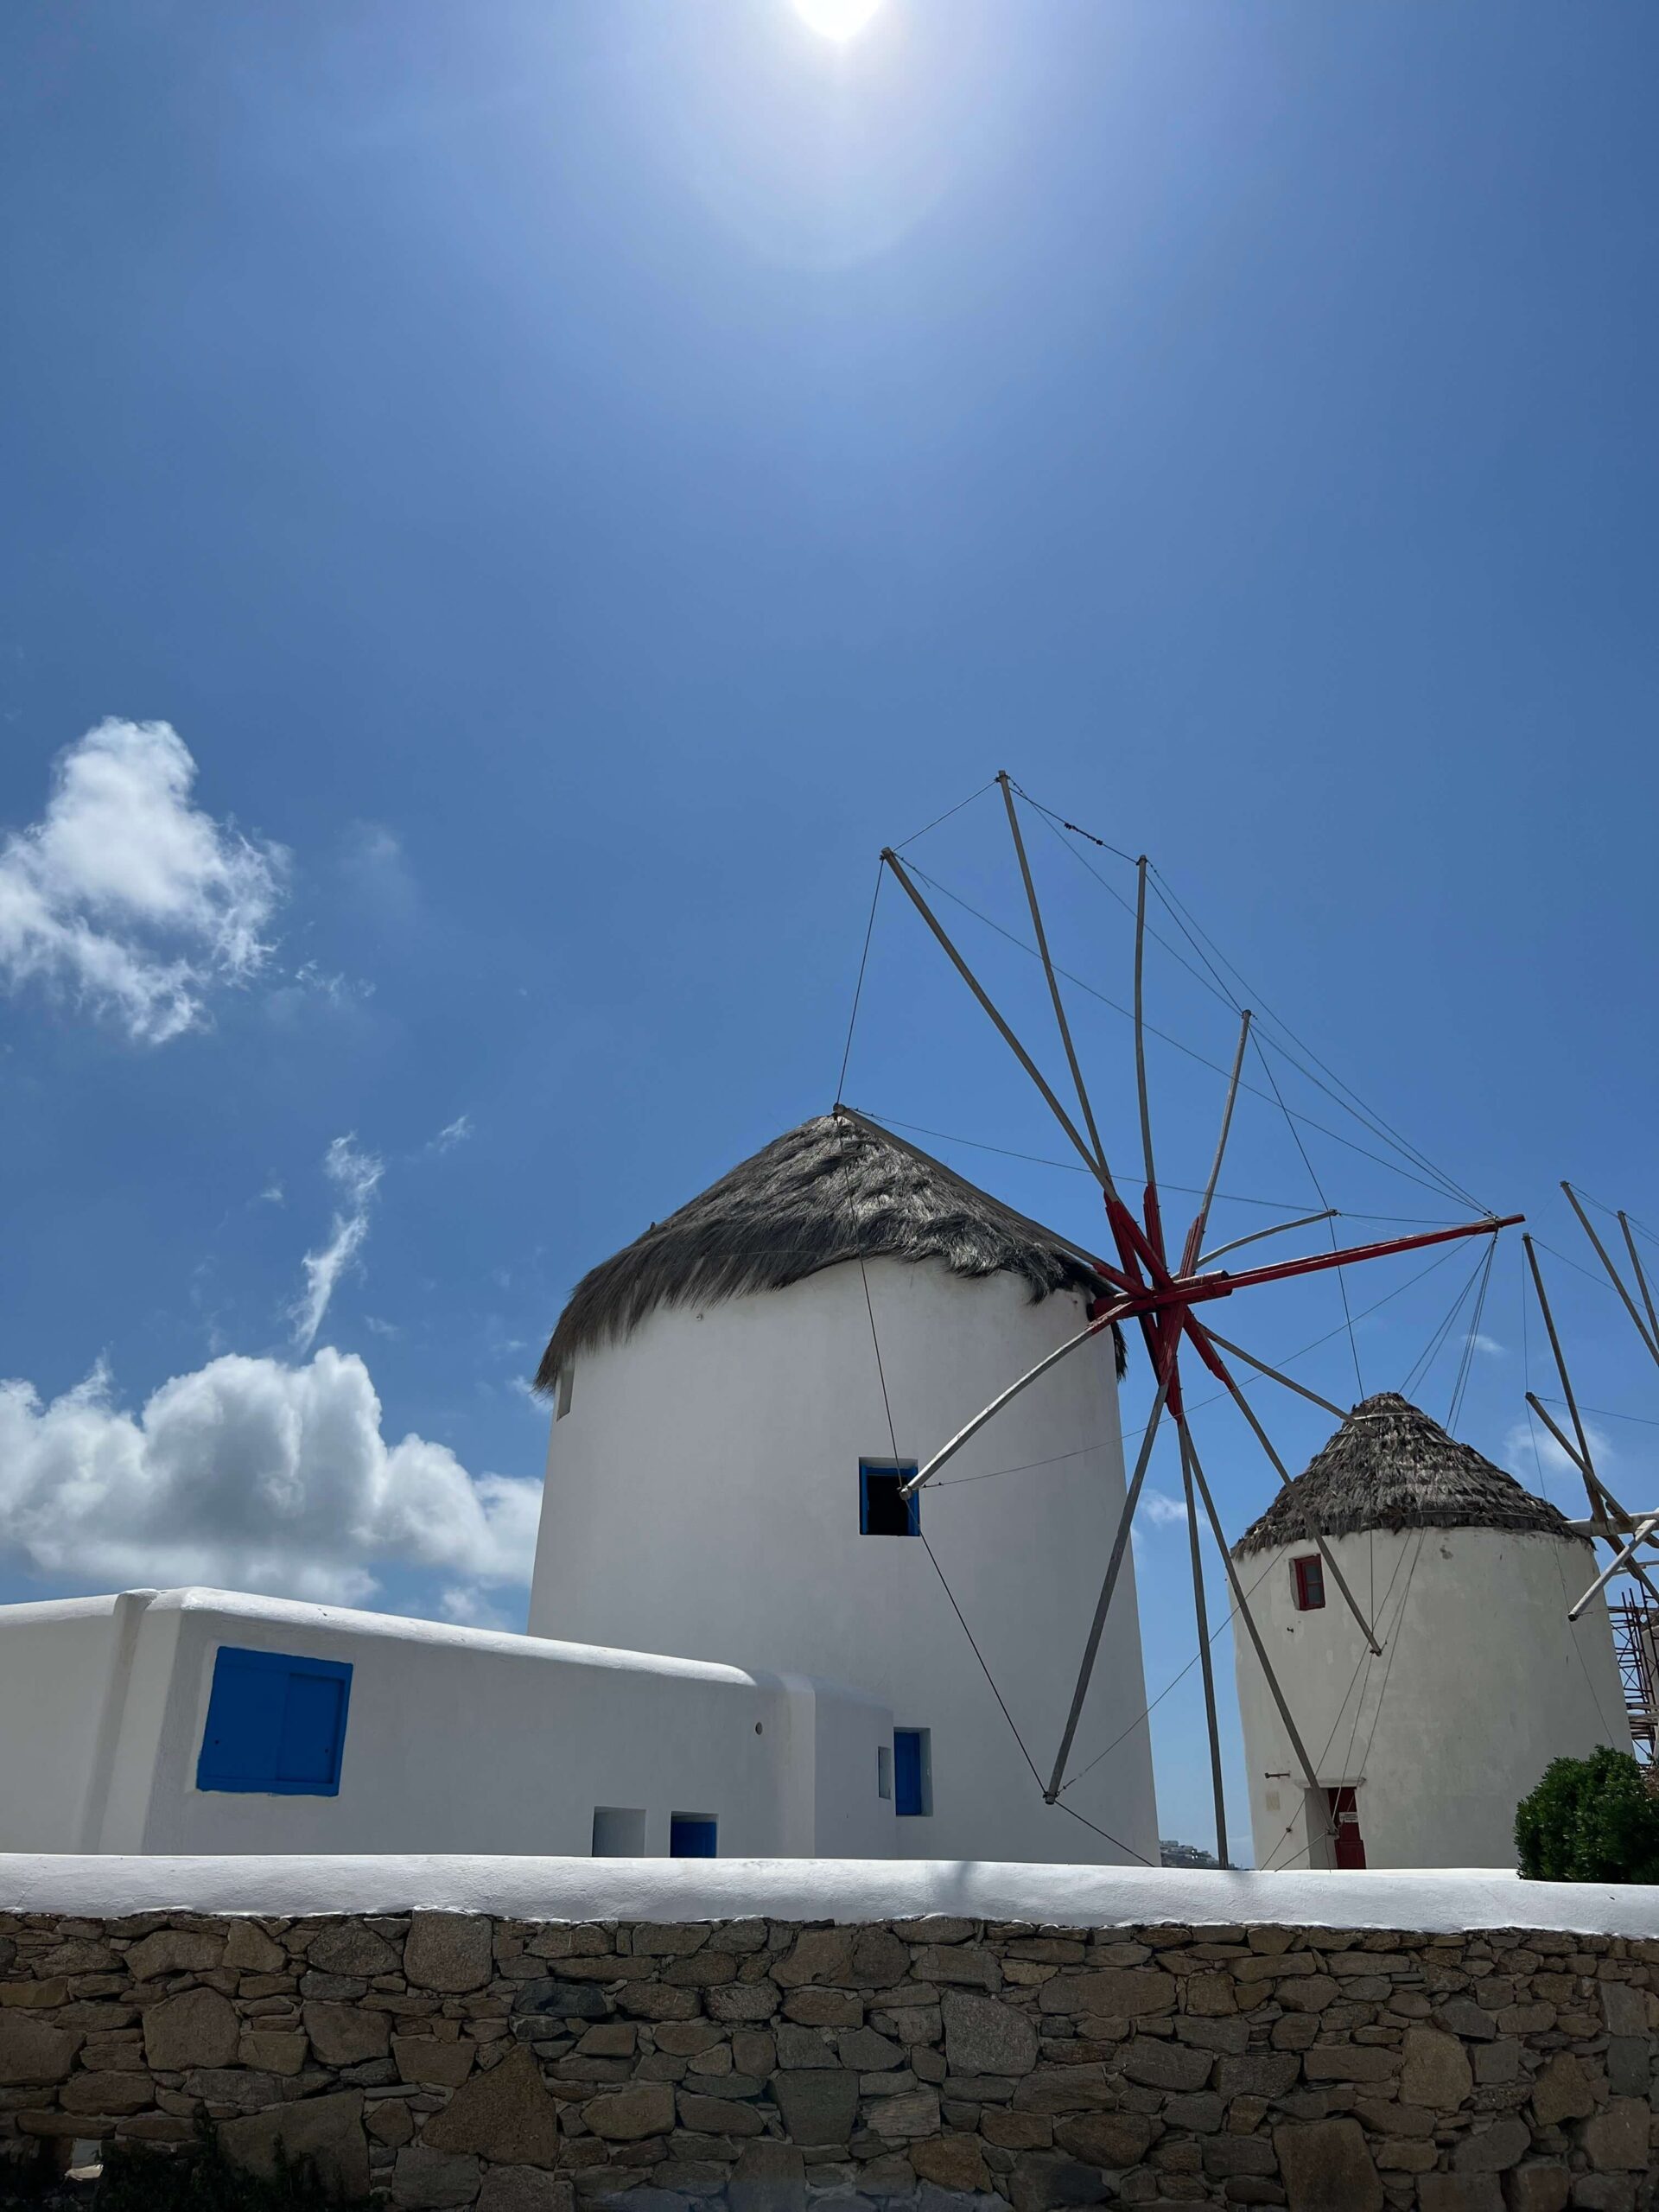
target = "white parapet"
x: 847, y: 1891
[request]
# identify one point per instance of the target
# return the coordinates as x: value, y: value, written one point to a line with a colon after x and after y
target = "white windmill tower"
x: 740, y: 1396
x: 1424, y: 1749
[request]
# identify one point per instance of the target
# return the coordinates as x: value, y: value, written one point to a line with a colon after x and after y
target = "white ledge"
x: 847, y: 1890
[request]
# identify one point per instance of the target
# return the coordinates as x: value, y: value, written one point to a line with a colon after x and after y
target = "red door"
x: 1350, y: 1844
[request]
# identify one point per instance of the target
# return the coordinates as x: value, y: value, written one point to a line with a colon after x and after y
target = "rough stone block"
x: 427, y: 2181
x: 768, y: 2178
x: 327, y: 2130
x: 248, y: 1950
x: 437, y: 2065
x: 1113, y: 2140
x: 1041, y: 2181
x: 717, y: 2115
x: 175, y: 1950
x: 524, y: 2189
x: 351, y: 1949
x: 1327, y: 2167
x: 982, y: 2036
x: 1562, y: 2091
x: 629, y: 2115
x: 1493, y: 2149
x: 880, y: 1959
x: 1113, y: 1992
x: 451, y: 1951
x: 951, y: 2162
x: 798, y: 2047
x: 1058, y: 2089
x: 1460, y: 2193
x: 33, y: 2055
x: 558, y: 1999
x: 740, y: 2000
x: 1616, y: 2141
x: 505, y: 2115
x: 899, y: 2119
x: 1537, y: 2188
x: 1625, y: 2008
x: 1257, y: 2073
x: 271, y: 2050
x: 346, y: 2035
x: 1435, y: 2070
x: 817, y: 2106
x: 1352, y: 2062
x: 1629, y: 2065
x: 196, y: 2028
x: 1162, y: 2065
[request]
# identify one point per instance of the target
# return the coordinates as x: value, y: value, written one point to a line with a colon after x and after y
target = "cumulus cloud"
x: 254, y: 1475
x: 125, y: 897
x: 356, y: 1175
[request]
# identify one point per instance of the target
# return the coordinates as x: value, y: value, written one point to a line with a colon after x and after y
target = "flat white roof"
x: 823, y: 1889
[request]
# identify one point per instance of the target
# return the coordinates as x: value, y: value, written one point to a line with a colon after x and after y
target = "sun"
x: 836, y: 19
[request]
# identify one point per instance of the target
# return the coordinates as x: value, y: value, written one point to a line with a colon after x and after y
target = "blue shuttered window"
x: 912, y: 1771
x: 690, y: 1835
x: 276, y: 1724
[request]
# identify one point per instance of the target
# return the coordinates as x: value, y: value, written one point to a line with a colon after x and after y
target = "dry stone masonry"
x: 440, y: 2060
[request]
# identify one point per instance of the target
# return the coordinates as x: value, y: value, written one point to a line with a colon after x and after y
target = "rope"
x: 1466, y: 1364
x: 946, y: 815
x: 1319, y: 1188
x: 1188, y: 1190
x: 1175, y: 1043
x: 858, y: 987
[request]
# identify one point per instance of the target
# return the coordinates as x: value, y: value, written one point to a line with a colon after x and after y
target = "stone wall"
x: 446, y: 2058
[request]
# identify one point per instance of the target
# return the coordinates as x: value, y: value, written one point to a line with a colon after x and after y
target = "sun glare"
x: 836, y: 19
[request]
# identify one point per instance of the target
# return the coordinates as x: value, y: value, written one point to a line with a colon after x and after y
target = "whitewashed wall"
x: 1481, y: 1683
x: 457, y: 1740
x: 703, y: 1497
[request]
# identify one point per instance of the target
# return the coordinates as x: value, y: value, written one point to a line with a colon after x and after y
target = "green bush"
x: 1591, y: 1820
x: 203, y: 2179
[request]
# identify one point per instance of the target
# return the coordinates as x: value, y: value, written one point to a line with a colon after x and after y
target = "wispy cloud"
x: 451, y: 1135
x: 126, y: 899
x: 255, y: 1474
x: 1491, y: 1347
x: 357, y: 1176
x: 1163, y: 1512
x: 1524, y: 1436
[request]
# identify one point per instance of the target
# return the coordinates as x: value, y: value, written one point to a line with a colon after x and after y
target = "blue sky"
x: 577, y: 479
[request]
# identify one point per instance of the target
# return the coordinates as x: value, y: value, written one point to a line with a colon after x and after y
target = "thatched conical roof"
x: 1391, y: 1466
x: 824, y: 1192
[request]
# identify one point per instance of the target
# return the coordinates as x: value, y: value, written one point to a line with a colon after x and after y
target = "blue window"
x: 276, y: 1724
x: 691, y: 1835
x: 881, y: 1511
x: 912, y: 1771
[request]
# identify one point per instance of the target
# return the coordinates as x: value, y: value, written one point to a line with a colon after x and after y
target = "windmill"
x: 1164, y: 1289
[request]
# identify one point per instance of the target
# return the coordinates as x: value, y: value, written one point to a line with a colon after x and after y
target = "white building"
x: 1421, y: 1755
x: 737, y: 1395
x: 191, y: 1721
x: 722, y: 1490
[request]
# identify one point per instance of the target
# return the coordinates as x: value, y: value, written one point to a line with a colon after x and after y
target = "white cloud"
x: 1524, y: 1435
x: 452, y: 1134
x: 126, y: 897
x: 1491, y: 1347
x: 1164, y: 1512
x: 357, y: 1175
x: 469, y: 1607
x: 250, y: 1474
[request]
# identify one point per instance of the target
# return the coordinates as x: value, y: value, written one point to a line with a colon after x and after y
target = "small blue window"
x: 882, y: 1510
x: 276, y: 1724
x: 912, y: 1771
x: 691, y: 1835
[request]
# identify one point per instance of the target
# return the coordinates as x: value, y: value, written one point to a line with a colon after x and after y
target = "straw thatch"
x: 1390, y: 1466
x: 822, y: 1193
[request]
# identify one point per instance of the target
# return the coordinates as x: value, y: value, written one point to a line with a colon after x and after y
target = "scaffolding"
x: 1636, y: 1647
